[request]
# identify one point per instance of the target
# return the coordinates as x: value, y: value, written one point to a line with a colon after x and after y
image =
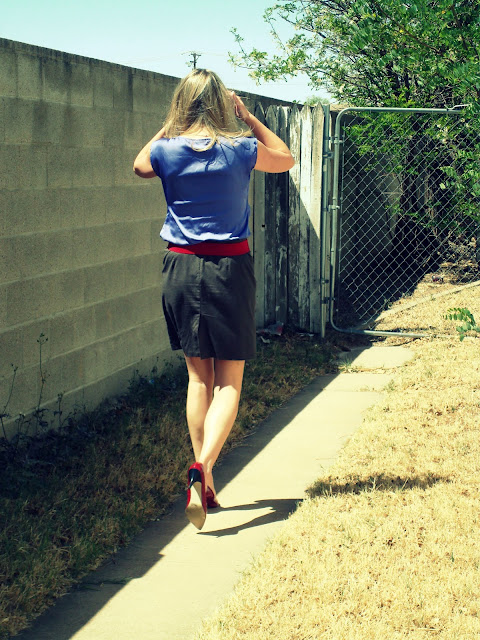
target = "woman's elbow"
x: 290, y: 162
x: 286, y: 164
x: 143, y: 172
x: 137, y: 167
x: 279, y: 163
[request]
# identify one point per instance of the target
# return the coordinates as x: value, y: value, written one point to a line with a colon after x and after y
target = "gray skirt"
x: 209, y: 305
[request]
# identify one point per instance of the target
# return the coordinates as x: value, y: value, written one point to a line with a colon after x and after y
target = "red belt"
x: 212, y: 248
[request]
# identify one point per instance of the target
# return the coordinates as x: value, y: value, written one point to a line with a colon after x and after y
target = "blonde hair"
x: 201, y: 102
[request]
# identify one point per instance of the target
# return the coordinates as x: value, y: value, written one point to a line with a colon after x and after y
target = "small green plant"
x: 39, y: 412
x: 37, y: 419
x: 463, y: 315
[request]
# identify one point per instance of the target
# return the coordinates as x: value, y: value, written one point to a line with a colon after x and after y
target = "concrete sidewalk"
x: 150, y: 590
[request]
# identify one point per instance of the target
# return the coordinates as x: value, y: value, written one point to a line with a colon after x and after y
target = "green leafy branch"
x: 463, y: 315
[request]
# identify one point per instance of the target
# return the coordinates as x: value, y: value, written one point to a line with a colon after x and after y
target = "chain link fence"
x: 406, y: 195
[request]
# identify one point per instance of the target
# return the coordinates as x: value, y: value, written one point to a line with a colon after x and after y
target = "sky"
x: 154, y: 35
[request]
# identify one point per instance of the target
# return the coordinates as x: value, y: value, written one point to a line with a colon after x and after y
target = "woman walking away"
x: 204, y: 157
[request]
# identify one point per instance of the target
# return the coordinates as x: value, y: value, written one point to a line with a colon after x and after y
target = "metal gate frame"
x: 331, y: 209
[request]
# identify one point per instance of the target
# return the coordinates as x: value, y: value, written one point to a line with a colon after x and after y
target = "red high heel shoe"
x: 212, y: 502
x: 196, y: 509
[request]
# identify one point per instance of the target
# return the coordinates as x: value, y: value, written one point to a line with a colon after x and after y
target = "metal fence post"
x: 325, y: 225
x: 334, y: 208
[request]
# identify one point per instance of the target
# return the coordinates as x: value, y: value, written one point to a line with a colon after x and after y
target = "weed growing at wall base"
x: 36, y: 420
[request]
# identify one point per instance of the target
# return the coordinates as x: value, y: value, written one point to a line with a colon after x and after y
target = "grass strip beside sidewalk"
x: 387, y: 544
x: 69, y: 500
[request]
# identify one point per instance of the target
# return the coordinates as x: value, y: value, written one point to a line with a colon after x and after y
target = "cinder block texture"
x: 23, y: 167
x: 29, y: 74
x: 3, y: 308
x: 78, y: 264
x: 80, y: 253
x: 2, y: 119
x: 8, y: 71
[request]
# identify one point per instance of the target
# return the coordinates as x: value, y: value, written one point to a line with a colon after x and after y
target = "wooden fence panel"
x: 305, y: 209
x: 287, y: 224
x: 281, y: 264
x: 270, y: 231
x: 258, y: 243
x: 294, y: 219
x: 314, y: 247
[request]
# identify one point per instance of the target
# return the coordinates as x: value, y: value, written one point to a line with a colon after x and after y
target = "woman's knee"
x: 229, y: 373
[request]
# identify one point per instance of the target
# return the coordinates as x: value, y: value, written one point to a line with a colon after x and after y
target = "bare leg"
x: 222, y: 412
x: 199, y: 399
x: 210, y: 421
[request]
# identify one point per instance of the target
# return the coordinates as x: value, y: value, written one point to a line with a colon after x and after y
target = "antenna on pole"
x: 195, y: 56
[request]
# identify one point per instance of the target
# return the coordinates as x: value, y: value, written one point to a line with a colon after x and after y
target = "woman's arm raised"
x: 273, y: 155
x: 142, y: 165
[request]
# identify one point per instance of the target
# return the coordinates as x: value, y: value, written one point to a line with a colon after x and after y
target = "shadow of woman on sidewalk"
x: 278, y: 510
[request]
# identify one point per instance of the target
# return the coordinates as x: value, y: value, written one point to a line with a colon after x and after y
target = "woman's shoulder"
x: 245, y: 143
x: 179, y: 140
x: 250, y: 142
x: 185, y: 141
x: 248, y: 145
x: 244, y: 146
x: 247, y: 140
x: 176, y: 139
x: 165, y: 147
x: 232, y: 140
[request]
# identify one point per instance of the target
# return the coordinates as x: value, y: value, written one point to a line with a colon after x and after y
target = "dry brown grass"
x: 424, y: 311
x: 387, y: 544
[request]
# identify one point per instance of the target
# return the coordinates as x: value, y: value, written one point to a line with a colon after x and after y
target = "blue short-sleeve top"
x: 206, y: 191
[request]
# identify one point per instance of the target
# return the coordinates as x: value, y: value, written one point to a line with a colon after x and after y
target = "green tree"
x: 396, y: 53
x: 314, y: 101
x: 376, y: 52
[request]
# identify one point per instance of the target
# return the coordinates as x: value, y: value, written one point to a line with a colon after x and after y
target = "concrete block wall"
x: 80, y: 256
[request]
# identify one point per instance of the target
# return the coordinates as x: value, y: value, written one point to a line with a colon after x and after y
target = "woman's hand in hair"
x: 241, y: 110
x: 273, y: 155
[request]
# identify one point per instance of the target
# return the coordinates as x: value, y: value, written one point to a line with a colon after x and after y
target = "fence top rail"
x: 456, y: 110
x: 453, y: 111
